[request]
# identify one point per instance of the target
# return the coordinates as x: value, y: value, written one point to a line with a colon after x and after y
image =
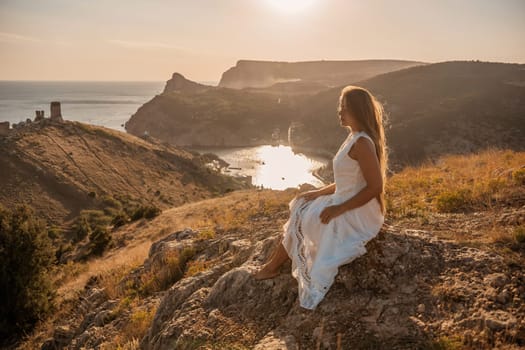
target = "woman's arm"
x: 328, y: 189
x: 313, y: 194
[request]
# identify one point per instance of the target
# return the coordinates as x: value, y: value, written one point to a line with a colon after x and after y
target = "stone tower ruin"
x: 56, y: 114
x: 39, y: 116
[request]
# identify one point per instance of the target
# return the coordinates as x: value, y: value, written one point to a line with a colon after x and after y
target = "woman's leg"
x: 271, y: 268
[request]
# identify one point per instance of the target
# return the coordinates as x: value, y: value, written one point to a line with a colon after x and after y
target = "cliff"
x: 432, y: 109
x: 179, y: 83
x: 250, y: 73
x: 213, y: 117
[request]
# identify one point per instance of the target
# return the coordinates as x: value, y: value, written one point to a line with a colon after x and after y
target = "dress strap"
x: 357, y: 135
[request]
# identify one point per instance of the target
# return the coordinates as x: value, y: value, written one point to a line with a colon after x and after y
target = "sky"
x: 149, y: 40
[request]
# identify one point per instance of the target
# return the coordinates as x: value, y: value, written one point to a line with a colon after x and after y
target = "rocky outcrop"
x: 251, y: 73
x: 409, y: 290
x: 179, y: 83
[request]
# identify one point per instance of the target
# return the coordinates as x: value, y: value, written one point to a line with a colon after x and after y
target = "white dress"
x: 317, y: 249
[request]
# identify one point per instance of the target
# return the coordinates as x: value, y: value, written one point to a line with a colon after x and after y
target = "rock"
x: 503, y: 297
x: 421, y: 308
x: 451, y: 288
x: 62, y: 335
x: 499, y: 319
x: 159, y: 245
x: 179, y: 83
x: 102, y: 318
x: 273, y: 342
x: 496, y: 280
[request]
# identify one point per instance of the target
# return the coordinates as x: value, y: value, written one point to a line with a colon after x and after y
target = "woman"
x: 329, y: 227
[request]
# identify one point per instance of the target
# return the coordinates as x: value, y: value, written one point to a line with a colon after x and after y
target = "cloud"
x: 12, y: 37
x: 147, y: 45
x: 17, y: 38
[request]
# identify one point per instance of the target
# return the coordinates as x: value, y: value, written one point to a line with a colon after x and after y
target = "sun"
x: 290, y: 6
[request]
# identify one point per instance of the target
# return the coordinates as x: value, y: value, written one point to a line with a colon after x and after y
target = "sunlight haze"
x: 149, y: 40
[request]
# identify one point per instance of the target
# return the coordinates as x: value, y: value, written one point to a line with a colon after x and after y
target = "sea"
x: 108, y: 104
x: 112, y: 103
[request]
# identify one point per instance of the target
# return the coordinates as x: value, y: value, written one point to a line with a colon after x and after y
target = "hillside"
x: 445, y: 272
x: 263, y: 74
x: 62, y: 168
x: 212, y: 117
x: 192, y: 114
x: 442, y: 108
x: 433, y: 109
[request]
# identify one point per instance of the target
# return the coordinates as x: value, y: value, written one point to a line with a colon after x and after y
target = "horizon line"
x: 95, y: 81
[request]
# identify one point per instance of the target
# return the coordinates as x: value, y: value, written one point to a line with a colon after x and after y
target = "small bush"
x: 454, y: 201
x: 62, y: 249
x: 145, y: 211
x: 446, y: 343
x: 54, y: 232
x: 110, y: 201
x: 120, y: 219
x: 170, y: 271
x: 519, y: 234
x: 81, y: 228
x: 206, y: 233
x: 135, y: 329
x: 196, y: 266
x: 519, y: 176
x: 26, y: 258
x: 99, y: 240
x: 87, y: 221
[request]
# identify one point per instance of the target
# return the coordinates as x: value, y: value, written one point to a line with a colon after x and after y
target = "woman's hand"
x: 331, y: 212
x: 309, y: 195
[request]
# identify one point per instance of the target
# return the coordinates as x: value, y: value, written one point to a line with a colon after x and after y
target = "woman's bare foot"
x: 265, y: 273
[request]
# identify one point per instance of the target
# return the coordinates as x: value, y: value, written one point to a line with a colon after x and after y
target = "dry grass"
x: 458, y: 183
x: 230, y: 212
x: 196, y: 266
x: 167, y: 272
x: 135, y: 329
x: 111, y: 268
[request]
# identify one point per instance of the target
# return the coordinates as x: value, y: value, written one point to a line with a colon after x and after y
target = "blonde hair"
x: 371, y: 116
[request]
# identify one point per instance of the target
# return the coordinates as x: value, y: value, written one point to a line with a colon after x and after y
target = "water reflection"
x: 275, y: 167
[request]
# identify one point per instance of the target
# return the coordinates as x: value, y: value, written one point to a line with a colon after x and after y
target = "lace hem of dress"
x: 300, y: 241
x: 310, y: 293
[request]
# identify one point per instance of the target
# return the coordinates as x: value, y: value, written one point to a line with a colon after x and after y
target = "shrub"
x: 454, y: 201
x: 120, y: 219
x: 99, y: 239
x: 87, y: 221
x: 81, y: 228
x: 195, y: 266
x: 110, y: 201
x: 519, y: 234
x: 26, y: 257
x: 519, y: 176
x: 145, y: 211
x: 170, y: 271
x: 54, y: 232
x: 139, y: 323
x: 206, y: 233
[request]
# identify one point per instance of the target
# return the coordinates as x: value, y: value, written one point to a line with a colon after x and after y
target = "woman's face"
x: 345, y: 117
